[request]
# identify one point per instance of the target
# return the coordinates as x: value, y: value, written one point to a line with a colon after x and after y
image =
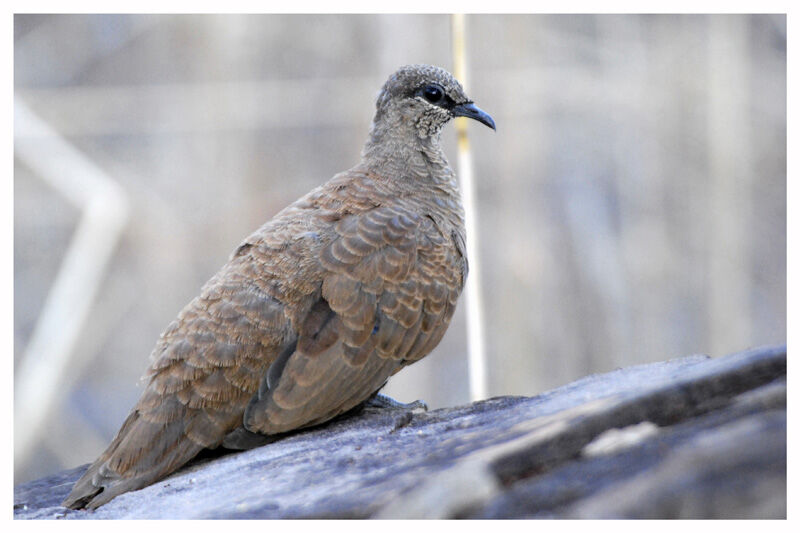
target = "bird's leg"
x: 381, y: 401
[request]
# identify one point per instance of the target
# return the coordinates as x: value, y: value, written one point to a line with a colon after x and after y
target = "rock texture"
x: 687, y: 438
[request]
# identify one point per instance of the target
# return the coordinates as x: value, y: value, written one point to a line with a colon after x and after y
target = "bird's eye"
x: 433, y: 93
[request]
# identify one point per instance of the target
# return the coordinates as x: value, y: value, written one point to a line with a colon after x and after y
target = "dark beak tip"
x: 486, y: 120
x: 472, y: 111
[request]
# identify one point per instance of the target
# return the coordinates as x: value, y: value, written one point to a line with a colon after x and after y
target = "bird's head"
x: 424, y: 98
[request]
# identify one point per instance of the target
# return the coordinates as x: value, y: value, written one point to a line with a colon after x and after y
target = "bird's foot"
x: 381, y: 401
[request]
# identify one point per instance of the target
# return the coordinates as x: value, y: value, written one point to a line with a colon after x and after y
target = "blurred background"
x: 631, y: 206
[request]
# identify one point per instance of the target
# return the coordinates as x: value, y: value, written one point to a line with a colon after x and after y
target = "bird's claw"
x: 381, y: 401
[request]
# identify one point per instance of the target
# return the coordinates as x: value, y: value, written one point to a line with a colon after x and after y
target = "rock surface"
x: 687, y: 438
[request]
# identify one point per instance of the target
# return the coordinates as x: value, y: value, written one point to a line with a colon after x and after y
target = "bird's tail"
x: 142, y: 453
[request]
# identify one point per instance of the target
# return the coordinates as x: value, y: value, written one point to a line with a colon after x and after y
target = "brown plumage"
x: 317, y: 308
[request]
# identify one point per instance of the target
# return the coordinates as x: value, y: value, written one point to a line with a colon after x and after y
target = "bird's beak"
x: 470, y: 110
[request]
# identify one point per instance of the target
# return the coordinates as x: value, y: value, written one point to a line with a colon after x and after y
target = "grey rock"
x: 694, y: 437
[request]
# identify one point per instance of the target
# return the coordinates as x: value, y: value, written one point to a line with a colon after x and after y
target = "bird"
x: 316, y: 309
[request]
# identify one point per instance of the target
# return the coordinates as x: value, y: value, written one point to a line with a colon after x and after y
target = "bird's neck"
x: 397, y: 150
x: 417, y: 167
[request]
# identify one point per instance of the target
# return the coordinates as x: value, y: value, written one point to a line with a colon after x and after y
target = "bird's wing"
x: 389, y: 290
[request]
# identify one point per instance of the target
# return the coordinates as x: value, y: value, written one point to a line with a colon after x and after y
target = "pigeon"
x: 316, y: 309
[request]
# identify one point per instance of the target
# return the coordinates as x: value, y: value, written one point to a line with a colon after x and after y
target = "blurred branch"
x: 474, y: 303
x: 50, y: 358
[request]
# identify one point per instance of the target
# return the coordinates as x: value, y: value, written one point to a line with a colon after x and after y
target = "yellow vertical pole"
x: 475, y: 340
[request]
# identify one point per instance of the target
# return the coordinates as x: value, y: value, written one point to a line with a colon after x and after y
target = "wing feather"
x: 388, y: 277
